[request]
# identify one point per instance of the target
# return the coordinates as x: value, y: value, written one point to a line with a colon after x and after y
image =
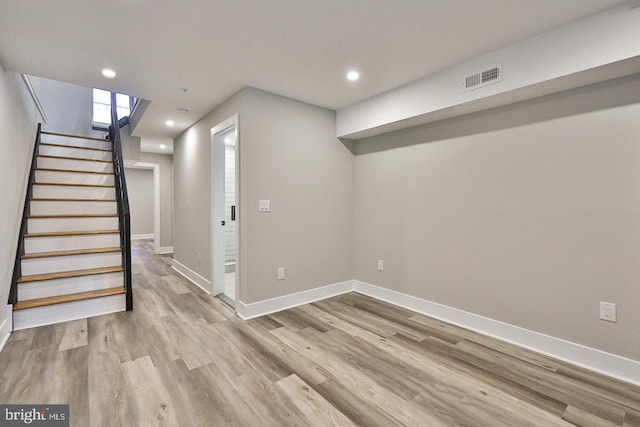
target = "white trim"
x: 191, y: 276
x: 165, y: 250
x: 156, y: 199
x: 596, y: 360
x: 6, y: 327
x: 261, y: 308
x: 34, y: 96
x: 142, y: 236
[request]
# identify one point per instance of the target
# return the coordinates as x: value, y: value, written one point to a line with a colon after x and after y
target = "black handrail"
x: 17, y: 267
x: 122, y: 198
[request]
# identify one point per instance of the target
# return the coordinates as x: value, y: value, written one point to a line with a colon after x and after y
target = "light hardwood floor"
x: 182, y: 358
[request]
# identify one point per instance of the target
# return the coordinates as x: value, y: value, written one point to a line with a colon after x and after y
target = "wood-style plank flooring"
x: 182, y: 358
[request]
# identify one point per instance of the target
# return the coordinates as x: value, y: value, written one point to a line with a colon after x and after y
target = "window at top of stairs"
x: 102, y: 107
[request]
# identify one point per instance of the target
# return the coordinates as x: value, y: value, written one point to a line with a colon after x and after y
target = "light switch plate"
x: 264, y: 205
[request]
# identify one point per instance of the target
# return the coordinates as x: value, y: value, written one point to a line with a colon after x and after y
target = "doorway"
x: 224, y: 201
x: 155, y: 168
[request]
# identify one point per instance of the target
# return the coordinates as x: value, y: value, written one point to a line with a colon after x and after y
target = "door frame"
x: 155, y: 167
x: 217, y: 204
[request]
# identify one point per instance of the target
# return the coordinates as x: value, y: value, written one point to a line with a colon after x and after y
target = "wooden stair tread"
x: 61, y: 299
x: 75, y: 136
x: 70, y: 233
x: 72, y: 171
x: 68, y: 274
x: 83, y: 159
x: 36, y: 255
x: 74, y: 146
x: 98, y: 215
x: 62, y: 199
x: 67, y: 184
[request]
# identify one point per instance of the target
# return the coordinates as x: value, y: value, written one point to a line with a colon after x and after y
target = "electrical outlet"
x: 199, y: 256
x: 280, y: 273
x: 264, y: 205
x: 607, y: 311
x: 380, y: 265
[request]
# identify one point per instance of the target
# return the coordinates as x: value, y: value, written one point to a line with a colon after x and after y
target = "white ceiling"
x: 159, y: 145
x: 296, y: 48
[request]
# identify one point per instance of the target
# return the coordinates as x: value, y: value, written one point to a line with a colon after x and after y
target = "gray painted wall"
x: 18, y: 121
x: 130, y: 144
x: 289, y: 155
x: 68, y: 107
x: 527, y: 214
x: 140, y: 189
x: 192, y: 183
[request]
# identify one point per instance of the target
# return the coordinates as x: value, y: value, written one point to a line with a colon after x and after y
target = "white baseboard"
x: 260, y: 308
x: 612, y: 365
x: 6, y: 325
x: 142, y: 236
x: 191, y: 276
x: 165, y: 250
x: 596, y: 360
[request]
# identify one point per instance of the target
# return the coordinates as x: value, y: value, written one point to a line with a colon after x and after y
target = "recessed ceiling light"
x: 162, y: 146
x: 170, y: 123
x: 108, y: 73
x: 353, y: 75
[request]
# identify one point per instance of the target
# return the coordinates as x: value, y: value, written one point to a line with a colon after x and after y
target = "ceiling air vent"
x: 483, y: 78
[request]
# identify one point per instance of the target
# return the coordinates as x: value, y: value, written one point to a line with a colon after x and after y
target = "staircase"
x: 71, y: 259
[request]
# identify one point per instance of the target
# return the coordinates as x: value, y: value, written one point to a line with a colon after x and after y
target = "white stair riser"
x: 43, y: 225
x: 40, y: 316
x: 72, y: 285
x: 76, y: 142
x: 48, y: 207
x: 52, y: 150
x: 74, y: 178
x: 55, y: 191
x: 69, y: 263
x: 49, y: 163
x: 69, y: 243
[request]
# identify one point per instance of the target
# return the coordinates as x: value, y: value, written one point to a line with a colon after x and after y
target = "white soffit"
x: 597, y: 48
x: 157, y: 145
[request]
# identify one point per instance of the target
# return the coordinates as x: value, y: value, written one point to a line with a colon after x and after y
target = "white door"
x: 224, y: 200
